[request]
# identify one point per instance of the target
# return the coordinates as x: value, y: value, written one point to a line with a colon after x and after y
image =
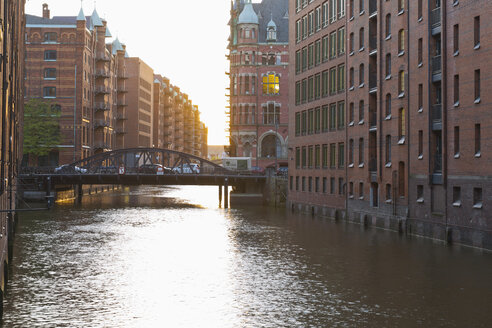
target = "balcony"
x: 101, y: 123
x: 103, y: 57
x: 102, y: 73
x: 436, y: 65
x: 101, y: 146
x: 102, y: 90
x: 373, y: 120
x: 102, y: 106
x: 435, y: 17
x: 437, y: 117
x: 373, y: 44
x: 373, y: 8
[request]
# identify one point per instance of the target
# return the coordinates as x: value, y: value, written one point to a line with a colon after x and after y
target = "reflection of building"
x: 387, y: 119
x: 70, y: 65
x: 258, y: 54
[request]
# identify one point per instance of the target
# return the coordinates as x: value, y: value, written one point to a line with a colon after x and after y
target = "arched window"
x: 271, y: 147
x: 247, y: 150
x: 271, y: 84
x: 361, y: 75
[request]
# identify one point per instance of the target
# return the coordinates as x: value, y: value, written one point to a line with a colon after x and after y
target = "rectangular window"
x: 298, y: 61
x: 297, y: 183
x: 324, y: 118
x: 340, y: 186
x: 333, y: 11
x: 333, y: 80
x: 476, y: 32
x: 324, y: 84
x: 478, y: 146
x: 421, y: 97
x: 316, y: 184
x: 420, y: 51
x: 304, y: 157
x: 50, y: 73
x: 361, y: 151
x: 317, y: 120
x: 332, y: 185
x: 311, y: 88
x: 325, y: 48
x: 333, y: 45
x: 421, y: 144
x: 456, y: 90
x: 49, y: 92
x: 456, y: 38
x: 317, y: 52
x: 311, y: 55
x: 325, y: 187
x: 477, y: 198
x: 298, y: 124
x: 303, y: 183
x: 310, y: 157
x: 341, y: 41
x: 298, y: 157
x: 341, y: 155
x: 361, y: 190
x: 456, y: 141
x: 456, y: 196
x: 325, y: 156
x: 317, y: 86
x: 50, y: 55
x: 477, y: 86
x: 341, y: 115
x: 420, y: 193
x: 333, y: 155
x: 333, y: 117
x: 419, y: 9
x: 341, y: 77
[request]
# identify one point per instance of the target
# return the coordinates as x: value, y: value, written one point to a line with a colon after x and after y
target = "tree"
x: 41, y: 128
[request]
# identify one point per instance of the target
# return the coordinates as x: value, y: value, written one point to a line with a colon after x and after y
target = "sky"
x: 184, y: 40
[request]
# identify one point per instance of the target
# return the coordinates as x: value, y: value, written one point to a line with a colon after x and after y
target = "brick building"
x: 140, y: 103
x: 258, y: 54
x: 177, y: 124
x: 12, y: 22
x: 69, y: 64
x: 387, y: 115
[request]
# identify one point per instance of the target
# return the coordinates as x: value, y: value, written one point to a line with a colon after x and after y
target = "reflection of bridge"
x: 130, y: 167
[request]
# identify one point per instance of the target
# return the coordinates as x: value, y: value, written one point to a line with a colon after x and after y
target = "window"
x: 325, y: 48
x: 271, y: 84
x: 317, y: 18
x: 298, y: 61
x: 401, y: 124
x: 324, y: 155
x: 324, y: 118
x: 361, y: 190
x: 333, y: 44
x: 341, y: 41
x: 304, y: 158
x: 317, y: 156
x: 388, y: 150
x: 420, y: 193
x: 298, y: 157
x: 50, y: 73
x: 477, y: 86
x: 421, y: 145
x: 341, y: 186
x: 478, y: 150
x: 388, y: 66
x: 333, y: 117
x: 457, y: 196
x: 361, y: 75
x: 476, y: 32
x: 361, y: 112
x: 388, y: 106
x: 420, y: 52
x: 419, y: 9
x: 50, y: 37
x: 49, y: 92
x: 317, y: 52
x: 271, y: 113
x: 317, y: 86
x: 332, y: 185
x: 333, y: 155
x: 401, y: 5
x: 298, y: 30
x: 361, y: 152
x: 341, y: 155
x: 421, y: 97
x: 456, y: 142
x: 311, y: 22
x: 388, y: 26
x: 325, y: 13
x: 456, y: 90
x: 303, y: 183
x: 361, y: 7
x: 341, y: 115
x: 316, y: 184
x: 401, y: 83
x: 351, y: 43
x: 351, y: 152
x: 456, y: 39
x: 311, y: 55
x: 401, y: 41
x: 333, y: 80
x: 351, y: 190
x: 351, y: 78
x: 50, y: 55
x: 477, y: 198
x: 310, y: 157
x: 351, y: 9
x: 361, y: 39
x: 333, y: 11
x: 341, y: 8
x: 351, y: 113
x: 325, y: 183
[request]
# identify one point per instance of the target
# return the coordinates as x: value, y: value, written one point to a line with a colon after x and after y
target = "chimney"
x: 46, y: 11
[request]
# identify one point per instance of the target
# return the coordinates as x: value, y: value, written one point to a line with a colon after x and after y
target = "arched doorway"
x: 271, y: 147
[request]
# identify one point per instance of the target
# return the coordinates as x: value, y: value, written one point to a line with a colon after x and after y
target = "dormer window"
x: 272, y: 34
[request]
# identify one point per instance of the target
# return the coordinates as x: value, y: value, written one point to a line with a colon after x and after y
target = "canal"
x: 169, y: 257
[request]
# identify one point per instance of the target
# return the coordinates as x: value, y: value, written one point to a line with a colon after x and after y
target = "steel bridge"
x: 139, y: 166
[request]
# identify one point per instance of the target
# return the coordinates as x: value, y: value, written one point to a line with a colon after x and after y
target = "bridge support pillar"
x: 220, y: 195
x: 226, y: 193
x: 49, y: 197
x: 80, y: 193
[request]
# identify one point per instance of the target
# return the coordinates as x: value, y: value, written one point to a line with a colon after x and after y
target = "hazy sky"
x: 184, y: 40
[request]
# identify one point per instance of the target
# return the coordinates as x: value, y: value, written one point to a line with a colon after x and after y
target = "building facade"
x: 11, y: 117
x: 70, y: 64
x: 259, y: 92
x: 387, y: 115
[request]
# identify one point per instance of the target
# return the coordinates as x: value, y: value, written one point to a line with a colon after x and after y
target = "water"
x: 169, y: 257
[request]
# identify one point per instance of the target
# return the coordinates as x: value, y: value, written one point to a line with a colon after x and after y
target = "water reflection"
x: 154, y: 257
